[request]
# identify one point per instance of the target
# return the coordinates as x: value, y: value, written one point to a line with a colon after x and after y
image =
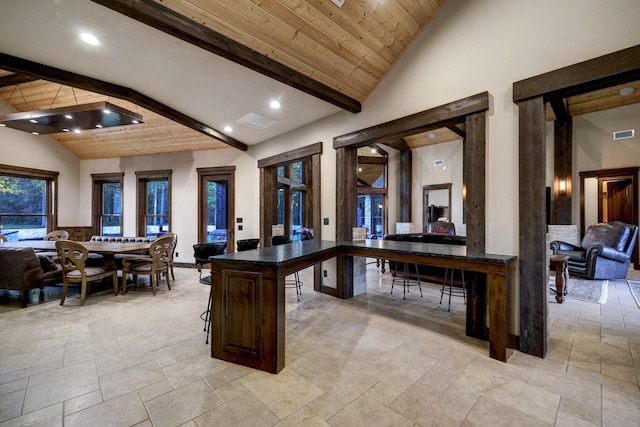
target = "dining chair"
x: 158, y: 262
x: 72, y: 257
x: 174, y: 244
x: 57, y: 235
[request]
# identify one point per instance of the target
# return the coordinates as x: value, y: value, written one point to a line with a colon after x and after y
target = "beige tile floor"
x: 139, y: 360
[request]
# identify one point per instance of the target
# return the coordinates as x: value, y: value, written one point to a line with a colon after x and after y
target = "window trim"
x: 51, y: 188
x: 97, y: 181
x: 223, y: 173
x: 142, y: 178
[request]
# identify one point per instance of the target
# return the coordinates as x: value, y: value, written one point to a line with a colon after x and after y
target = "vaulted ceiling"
x: 200, y: 65
x: 193, y: 67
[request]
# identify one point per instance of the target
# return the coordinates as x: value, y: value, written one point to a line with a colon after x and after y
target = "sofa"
x: 21, y: 269
x: 605, y: 251
x: 427, y: 272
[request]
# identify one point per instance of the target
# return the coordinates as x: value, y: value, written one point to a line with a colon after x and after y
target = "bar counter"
x: 248, y: 307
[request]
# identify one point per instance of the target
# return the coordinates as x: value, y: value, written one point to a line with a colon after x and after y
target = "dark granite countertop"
x: 283, y: 254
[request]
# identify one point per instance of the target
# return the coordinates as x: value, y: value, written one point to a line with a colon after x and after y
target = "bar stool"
x: 452, y: 290
x: 296, y: 282
x: 202, y: 252
x: 405, y: 279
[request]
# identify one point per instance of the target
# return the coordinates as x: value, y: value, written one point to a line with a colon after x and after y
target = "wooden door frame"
x: 223, y: 173
x: 613, y: 173
x: 467, y: 116
x: 531, y: 96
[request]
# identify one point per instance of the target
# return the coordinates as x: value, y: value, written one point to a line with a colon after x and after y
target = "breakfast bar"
x: 248, y: 291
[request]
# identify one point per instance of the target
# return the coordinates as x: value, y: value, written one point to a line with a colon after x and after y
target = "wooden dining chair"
x: 158, y: 262
x: 72, y: 257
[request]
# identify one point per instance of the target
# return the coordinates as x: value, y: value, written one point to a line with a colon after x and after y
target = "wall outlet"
x: 240, y: 227
x: 177, y: 254
x: 324, y: 273
x: 326, y: 221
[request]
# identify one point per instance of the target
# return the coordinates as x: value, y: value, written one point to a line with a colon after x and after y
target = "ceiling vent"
x: 623, y: 134
x: 338, y: 3
x: 257, y: 121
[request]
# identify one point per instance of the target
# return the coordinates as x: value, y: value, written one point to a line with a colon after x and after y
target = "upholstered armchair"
x: 604, y: 253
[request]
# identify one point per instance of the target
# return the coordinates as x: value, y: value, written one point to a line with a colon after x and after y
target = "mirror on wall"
x: 436, y: 204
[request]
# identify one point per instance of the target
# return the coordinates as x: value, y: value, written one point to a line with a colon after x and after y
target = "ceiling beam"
x: 459, y: 130
x: 616, y: 68
x: 397, y: 143
x: 15, y: 79
x: 56, y: 75
x: 164, y: 19
x: 560, y: 109
x: 445, y: 115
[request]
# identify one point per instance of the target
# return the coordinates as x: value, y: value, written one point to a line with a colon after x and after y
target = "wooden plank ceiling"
x: 348, y: 50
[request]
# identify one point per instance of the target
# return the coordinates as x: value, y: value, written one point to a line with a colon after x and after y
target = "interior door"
x: 620, y: 201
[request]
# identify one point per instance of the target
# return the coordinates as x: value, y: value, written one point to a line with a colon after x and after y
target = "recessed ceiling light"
x: 228, y: 129
x: 359, y: 169
x: 374, y: 150
x: 35, y: 133
x: 135, y: 121
x: 77, y: 131
x: 106, y: 111
x: 275, y: 105
x: 33, y: 121
x: 89, y: 39
x: 626, y: 91
x: 432, y: 135
x: 68, y: 116
x: 65, y: 130
x: 99, y: 125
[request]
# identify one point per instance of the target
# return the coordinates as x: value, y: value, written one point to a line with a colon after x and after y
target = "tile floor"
x: 139, y: 360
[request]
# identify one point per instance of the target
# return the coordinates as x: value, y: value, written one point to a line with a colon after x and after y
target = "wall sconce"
x: 562, y: 186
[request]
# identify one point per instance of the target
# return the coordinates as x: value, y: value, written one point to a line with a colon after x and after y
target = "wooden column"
x: 406, y: 171
x: 562, y: 170
x: 268, y: 203
x: 533, y: 274
x: 346, y: 213
x: 474, y: 178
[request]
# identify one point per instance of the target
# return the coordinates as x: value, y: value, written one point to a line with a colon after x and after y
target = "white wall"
x: 22, y: 149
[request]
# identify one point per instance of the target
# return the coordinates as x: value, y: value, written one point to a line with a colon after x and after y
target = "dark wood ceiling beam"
x: 16, y: 79
x: 560, y: 109
x: 446, y: 115
x: 605, y: 71
x: 164, y: 19
x: 459, y: 130
x: 398, y: 143
x: 56, y: 75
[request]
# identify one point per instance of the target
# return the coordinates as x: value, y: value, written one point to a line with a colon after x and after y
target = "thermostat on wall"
x: 438, y: 162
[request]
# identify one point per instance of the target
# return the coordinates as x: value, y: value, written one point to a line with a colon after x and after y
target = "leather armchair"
x: 604, y: 253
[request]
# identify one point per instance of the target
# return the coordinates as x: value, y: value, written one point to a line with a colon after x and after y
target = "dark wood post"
x: 562, y: 170
x: 533, y: 274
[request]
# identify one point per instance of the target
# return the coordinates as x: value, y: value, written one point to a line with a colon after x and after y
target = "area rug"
x: 635, y: 290
x: 581, y: 289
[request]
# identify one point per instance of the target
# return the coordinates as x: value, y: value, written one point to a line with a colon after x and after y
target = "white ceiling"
x: 193, y: 81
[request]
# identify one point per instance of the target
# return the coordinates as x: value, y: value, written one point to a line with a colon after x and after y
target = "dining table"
x: 108, y: 250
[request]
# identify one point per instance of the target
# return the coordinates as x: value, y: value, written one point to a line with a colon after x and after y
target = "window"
x: 292, y: 191
x: 372, y: 190
x: 107, y: 204
x: 154, y: 203
x: 216, y: 205
x: 28, y: 208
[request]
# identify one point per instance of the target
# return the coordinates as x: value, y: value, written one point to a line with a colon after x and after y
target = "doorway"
x: 609, y: 195
x: 216, y: 205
